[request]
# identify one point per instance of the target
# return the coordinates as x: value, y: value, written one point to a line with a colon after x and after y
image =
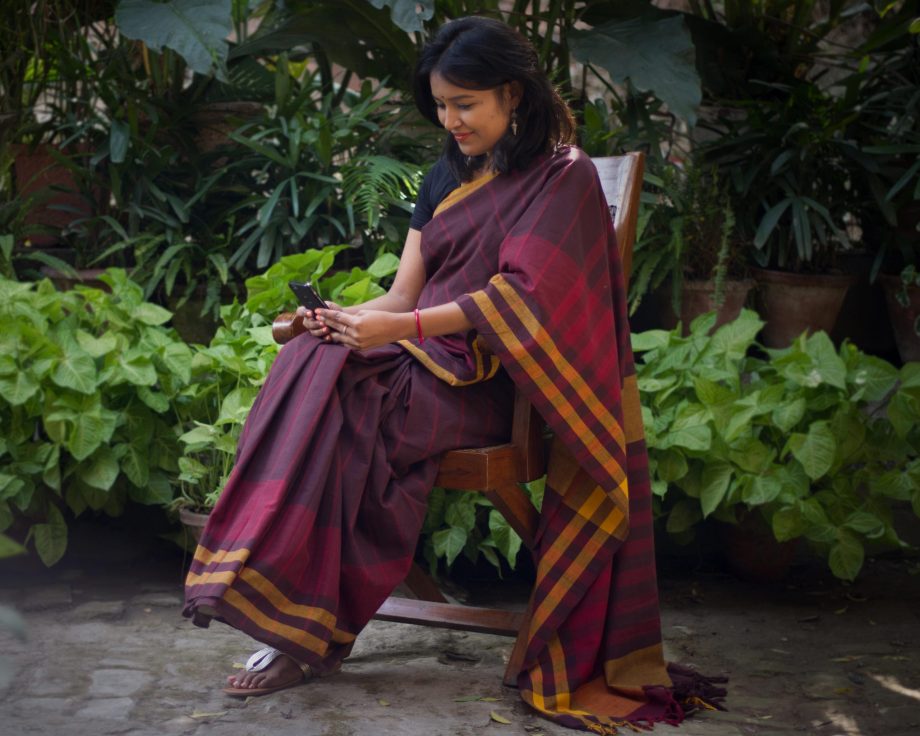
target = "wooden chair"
x: 497, y: 471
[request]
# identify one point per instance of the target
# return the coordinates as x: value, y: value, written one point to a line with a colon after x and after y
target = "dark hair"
x: 481, y: 53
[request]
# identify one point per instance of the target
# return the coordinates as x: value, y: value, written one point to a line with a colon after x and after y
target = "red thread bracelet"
x: 418, y: 327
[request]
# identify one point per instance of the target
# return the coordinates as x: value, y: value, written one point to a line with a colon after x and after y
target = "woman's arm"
x: 369, y: 328
x: 408, y: 283
x: 402, y: 296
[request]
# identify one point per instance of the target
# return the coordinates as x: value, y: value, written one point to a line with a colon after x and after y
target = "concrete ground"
x: 108, y: 653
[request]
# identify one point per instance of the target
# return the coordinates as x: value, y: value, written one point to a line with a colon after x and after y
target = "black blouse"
x: 437, y: 184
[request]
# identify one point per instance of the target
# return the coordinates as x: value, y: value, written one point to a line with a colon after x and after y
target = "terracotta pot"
x: 214, y: 122
x: 55, y: 200
x: 752, y: 552
x: 697, y: 298
x: 193, y: 522
x: 863, y: 318
x: 903, y: 319
x: 792, y: 303
x: 85, y: 276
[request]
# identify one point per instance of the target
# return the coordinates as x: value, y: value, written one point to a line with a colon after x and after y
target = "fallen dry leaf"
x: 201, y: 714
x: 238, y: 666
x: 384, y: 703
x: 498, y: 718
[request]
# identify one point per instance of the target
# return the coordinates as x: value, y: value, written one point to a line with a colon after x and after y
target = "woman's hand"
x: 313, y: 325
x: 365, y: 328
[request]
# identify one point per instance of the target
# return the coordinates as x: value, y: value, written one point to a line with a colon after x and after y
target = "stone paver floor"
x: 108, y: 653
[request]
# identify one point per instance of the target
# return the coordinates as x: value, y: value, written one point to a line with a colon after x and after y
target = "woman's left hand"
x: 365, y: 328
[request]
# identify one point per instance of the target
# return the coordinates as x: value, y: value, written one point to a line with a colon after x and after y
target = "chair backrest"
x: 621, y: 180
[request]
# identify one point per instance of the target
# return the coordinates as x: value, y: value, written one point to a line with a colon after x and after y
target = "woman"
x: 509, y: 273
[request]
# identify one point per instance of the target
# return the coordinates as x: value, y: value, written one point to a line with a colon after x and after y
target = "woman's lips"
x: 460, y: 137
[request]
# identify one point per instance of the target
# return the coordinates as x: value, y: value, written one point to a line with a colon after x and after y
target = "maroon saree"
x: 320, y: 517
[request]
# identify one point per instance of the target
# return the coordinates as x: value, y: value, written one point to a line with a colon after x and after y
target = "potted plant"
x: 890, y: 86
x: 688, y: 250
x: 811, y: 441
x: 799, y: 180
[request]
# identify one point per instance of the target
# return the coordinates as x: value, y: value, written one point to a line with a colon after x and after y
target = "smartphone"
x: 307, y: 295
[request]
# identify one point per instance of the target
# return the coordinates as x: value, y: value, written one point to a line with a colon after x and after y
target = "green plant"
x: 460, y: 522
x: 822, y: 443
x: 320, y: 173
x: 90, y: 386
x: 689, y: 235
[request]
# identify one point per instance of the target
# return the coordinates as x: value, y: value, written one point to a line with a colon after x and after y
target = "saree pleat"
x: 321, y: 515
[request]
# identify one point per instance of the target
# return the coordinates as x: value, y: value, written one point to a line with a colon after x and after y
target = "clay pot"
x: 697, y: 298
x: 863, y: 318
x: 51, y: 186
x: 903, y: 318
x: 215, y: 121
x: 85, y: 276
x: 792, y: 303
x: 752, y: 553
x: 193, y: 522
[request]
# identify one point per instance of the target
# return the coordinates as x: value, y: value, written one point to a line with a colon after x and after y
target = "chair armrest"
x: 286, y: 327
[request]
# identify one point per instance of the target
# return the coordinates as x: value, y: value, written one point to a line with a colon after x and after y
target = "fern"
x: 371, y: 184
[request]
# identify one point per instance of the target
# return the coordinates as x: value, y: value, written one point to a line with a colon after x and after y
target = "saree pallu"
x: 554, y: 315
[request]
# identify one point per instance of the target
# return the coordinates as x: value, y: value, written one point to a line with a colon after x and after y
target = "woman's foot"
x: 282, y: 672
x: 268, y: 671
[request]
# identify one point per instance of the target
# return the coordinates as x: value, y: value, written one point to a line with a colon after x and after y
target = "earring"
x: 514, y: 125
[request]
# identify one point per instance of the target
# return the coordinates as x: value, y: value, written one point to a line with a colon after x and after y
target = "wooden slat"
x: 477, y: 470
x: 448, y: 616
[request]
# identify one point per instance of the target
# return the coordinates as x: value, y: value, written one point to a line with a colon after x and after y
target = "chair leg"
x: 422, y: 586
x: 516, y: 660
x: 517, y: 508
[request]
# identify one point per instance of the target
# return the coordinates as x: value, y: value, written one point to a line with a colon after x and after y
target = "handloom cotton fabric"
x: 300, y: 558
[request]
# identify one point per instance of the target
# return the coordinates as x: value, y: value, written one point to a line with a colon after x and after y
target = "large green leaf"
x: 76, y: 371
x: 135, y: 464
x: 195, y: 29
x: 88, y: 433
x: 714, y: 485
x: 448, y: 543
x: 151, y: 314
x: 814, y: 450
x: 828, y: 363
x: 100, y: 471
x: 51, y: 537
x: 506, y: 539
x: 8, y: 547
x: 788, y: 524
x: 461, y: 512
x: 846, y: 557
x: 655, y: 55
x: 18, y: 388
x: 408, y: 14
x: 683, y: 516
x: 789, y: 414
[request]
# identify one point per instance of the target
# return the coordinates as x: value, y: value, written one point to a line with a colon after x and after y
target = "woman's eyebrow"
x: 456, y: 97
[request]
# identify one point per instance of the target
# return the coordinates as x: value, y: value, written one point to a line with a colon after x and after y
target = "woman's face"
x: 476, y: 118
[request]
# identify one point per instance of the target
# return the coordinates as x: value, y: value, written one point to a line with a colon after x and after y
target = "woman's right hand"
x: 314, y: 327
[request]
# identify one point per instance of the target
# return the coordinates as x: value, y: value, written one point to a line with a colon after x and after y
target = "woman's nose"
x: 450, y: 119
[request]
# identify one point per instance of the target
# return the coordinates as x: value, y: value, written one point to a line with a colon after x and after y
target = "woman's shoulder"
x: 570, y: 161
